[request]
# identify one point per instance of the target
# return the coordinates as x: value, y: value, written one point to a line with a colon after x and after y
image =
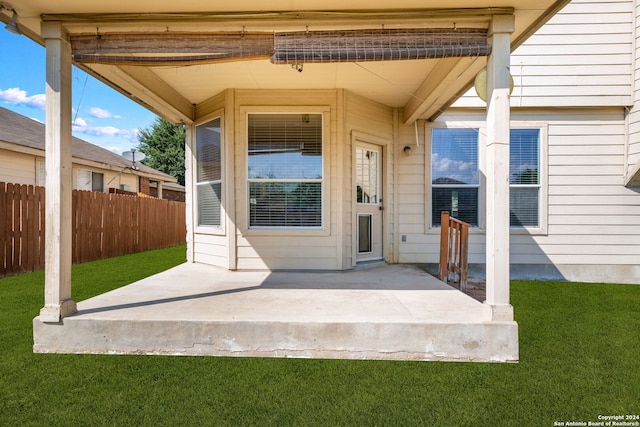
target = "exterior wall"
x: 593, y: 219
x: 634, y: 113
x: 111, y: 178
x: 288, y: 249
x: 143, y: 185
x: 331, y: 248
x: 21, y: 168
x: 171, y: 195
x: 581, y: 70
x: 581, y: 58
x: 18, y: 168
x: 415, y: 246
x: 209, y: 245
x: 372, y: 123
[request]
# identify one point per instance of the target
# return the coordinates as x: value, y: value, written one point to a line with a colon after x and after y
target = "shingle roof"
x: 21, y: 130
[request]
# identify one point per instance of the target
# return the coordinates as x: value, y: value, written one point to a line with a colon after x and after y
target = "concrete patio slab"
x: 386, y: 312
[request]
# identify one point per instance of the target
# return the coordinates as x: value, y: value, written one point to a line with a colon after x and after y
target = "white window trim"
x: 77, y: 183
x: 543, y: 201
x: 242, y: 162
x: 215, y: 230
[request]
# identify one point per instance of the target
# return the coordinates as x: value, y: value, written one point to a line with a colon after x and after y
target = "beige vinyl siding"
x: 591, y: 213
x: 211, y: 249
x: 17, y: 168
x: 633, y: 154
x: 582, y: 57
x: 593, y: 219
x: 207, y: 245
x: 329, y: 248
x: 368, y: 119
x: 287, y: 249
x: 412, y: 202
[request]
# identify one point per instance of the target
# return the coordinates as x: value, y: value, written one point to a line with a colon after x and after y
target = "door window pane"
x: 367, y: 188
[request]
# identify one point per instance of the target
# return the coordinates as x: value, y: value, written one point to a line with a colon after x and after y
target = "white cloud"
x: 18, y: 96
x: 80, y: 126
x: 80, y: 122
x: 100, y: 113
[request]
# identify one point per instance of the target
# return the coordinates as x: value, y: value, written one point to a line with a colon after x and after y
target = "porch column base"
x: 498, y: 312
x: 53, y: 313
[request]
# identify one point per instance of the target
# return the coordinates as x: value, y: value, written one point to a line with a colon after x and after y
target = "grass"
x: 578, y: 348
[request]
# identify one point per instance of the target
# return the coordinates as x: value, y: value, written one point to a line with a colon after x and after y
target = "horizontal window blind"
x: 524, y: 177
x: 285, y: 204
x: 209, y: 173
x: 285, y: 170
x: 209, y: 202
x: 455, y: 176
x: 285, y: 146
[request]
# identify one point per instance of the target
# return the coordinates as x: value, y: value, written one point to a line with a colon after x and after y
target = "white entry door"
x: 368, y: 195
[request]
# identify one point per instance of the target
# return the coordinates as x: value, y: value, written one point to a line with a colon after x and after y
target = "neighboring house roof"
x: 25, y: 132
x: 173, y: 186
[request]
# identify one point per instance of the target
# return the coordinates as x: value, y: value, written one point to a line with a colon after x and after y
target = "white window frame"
x: 209, y: 229
x: 543, y: 176
x: 243, y: 203
x: 81, y: 170
x: 543, y: 204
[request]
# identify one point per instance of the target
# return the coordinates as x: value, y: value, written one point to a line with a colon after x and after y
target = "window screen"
x: 285, y: 170
x: 209, y: 173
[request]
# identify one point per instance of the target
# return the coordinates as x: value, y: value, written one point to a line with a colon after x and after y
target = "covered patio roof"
x: 422, y: 87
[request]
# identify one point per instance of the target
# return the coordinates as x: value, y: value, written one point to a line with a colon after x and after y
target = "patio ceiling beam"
x: 170, y: 48
x: 317, y: 17
x: 161, y: 49
x: 378, y: 45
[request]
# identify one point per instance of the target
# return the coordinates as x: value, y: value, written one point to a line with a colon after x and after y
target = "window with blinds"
x: 90, y: 181
x: 524, y: 177
x: 455, y: 176
x: 285, y: 170
x: 209, y: 173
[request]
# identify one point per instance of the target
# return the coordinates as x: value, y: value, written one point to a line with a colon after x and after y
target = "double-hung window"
x: 285, y: 170
x: 455, y: 175
x: 90, y: 181
x: 524, y: 177
x: 209, y: 173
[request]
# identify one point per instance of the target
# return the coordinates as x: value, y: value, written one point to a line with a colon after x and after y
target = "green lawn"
x: 579, y: 351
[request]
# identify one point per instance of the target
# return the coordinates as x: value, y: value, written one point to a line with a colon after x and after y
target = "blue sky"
x: 102, y: 115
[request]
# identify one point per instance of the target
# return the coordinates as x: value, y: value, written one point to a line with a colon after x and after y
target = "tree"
x: 163, y: 145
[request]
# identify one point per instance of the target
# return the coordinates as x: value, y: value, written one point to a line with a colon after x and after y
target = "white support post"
x: 497, y: 304
x: 189, y: 186
x: 159, y: 195
x: 57, y: 295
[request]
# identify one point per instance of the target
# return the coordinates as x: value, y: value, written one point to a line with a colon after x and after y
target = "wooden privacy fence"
x: 454, y: 249
x: 103, y: 226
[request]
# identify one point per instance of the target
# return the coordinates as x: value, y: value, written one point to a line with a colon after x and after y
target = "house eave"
x: 17, y: 148
x: 633, y: 176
